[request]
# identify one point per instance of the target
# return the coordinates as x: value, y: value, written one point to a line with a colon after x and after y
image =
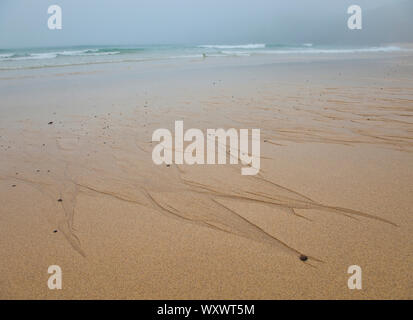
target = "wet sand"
x: 335, y: 183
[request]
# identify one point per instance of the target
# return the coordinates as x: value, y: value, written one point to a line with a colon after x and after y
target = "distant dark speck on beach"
x: 51, y: 122
x: 54, y: 231
x: 13, y: 186
x: 59, y: 200
x: 303, y: 258
x: 168, y: 165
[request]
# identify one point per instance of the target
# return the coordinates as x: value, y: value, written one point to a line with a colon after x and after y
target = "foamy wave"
x: 236, y: 53
x: 53, y: 55
x: 330, y: 51
x: 88, y: 52
x: 33, y: 56
x: 241, y: 46
x: 6, y: 55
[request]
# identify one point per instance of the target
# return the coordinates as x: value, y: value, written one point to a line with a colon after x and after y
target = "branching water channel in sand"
x: 116, y: 162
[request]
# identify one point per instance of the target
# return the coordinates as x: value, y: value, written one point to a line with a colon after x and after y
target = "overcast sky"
x: 23, y: 23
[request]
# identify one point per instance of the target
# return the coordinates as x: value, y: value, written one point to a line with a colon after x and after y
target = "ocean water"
x: 30, y: 58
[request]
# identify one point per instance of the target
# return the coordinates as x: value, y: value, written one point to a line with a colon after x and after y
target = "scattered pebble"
x: 54, y: 231
x: 303, y: 258
x: 13, y: 186
x: 51, y: 122
x: 59, y: 200
x: 168, y: 165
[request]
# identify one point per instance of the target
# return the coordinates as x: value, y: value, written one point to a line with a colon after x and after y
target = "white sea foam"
x: 236, y: 53
x: 6, y: 55
x: 36, y: 56
x: 332, y: 51
x: 241, y: 46
x: 88, y: 52
x: 53, y: 55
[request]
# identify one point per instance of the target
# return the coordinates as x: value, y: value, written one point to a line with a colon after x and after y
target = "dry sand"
x: 336, y: 180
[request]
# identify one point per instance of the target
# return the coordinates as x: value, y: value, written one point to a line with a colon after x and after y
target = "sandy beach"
x: 79, y: 189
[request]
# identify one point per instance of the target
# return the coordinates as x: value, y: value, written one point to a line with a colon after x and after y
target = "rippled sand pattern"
x: 107, y: 156
x: 78, y: 186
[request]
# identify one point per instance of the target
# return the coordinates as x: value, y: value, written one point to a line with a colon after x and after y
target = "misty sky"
x: 23, y: 23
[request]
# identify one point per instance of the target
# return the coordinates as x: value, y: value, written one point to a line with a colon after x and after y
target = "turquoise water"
x: 12, y: 59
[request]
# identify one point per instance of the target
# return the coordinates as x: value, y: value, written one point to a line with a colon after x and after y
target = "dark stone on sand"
x: 303, y: 258
x: 13, y: 186
x: 59, y: 200
x: 168, y: 165
x: 54, y: 231
x: 51, y: 122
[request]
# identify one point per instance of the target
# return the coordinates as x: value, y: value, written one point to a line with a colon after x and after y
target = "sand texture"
x: 336, y: 180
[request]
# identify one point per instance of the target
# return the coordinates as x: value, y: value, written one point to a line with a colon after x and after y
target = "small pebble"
x: 13, y: 186
x: 303, y: 258
x: 54, y: 231
x: 51, y: 122
x: 59, y: 200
